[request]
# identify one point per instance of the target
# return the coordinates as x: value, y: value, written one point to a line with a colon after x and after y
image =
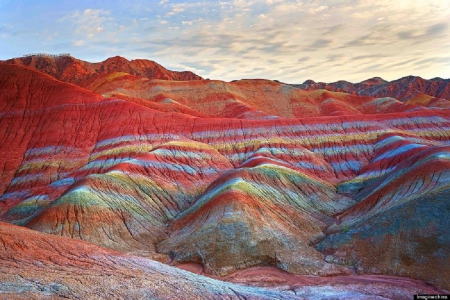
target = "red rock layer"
x: 123, y: 174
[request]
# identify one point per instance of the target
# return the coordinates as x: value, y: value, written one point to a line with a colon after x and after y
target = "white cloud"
x: 329, y: 33
x: 89, y: 22
x: 288, y: 40
x: 176, y: 9
x: 79, y: 43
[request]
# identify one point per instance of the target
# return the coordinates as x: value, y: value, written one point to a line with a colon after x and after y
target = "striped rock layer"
x: 70, y: 269
x: 318, y: 183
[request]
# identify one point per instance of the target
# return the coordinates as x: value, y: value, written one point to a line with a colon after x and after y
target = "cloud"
x: 318, y: 44
x: 6, y: 27
x: 334, y: 57
x: 176, y: 8
x: 359, y: 41
x: 332, y: 29
x: 433, y: 32
x: 79, y: 43
x: 437, y: 28
x: 303, y: 59
x: 244, y: 33
x: 432, y: 60
x: 406, y: 35
x: 400, y: 63
x: 288, y: 40
x: 89, y: 22
x: 370, y: 69
x: 368, y: 57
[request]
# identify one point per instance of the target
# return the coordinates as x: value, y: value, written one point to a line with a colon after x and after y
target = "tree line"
x: 46, y: 54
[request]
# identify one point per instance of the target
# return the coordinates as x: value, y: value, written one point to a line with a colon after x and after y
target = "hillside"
x: 299, y: 192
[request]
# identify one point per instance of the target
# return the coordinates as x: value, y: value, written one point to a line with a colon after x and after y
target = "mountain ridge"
x: 69, y: 69
x: 400, y: 88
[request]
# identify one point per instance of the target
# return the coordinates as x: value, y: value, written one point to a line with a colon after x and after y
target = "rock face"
x: 64, y: 268
x: 406, y: 89
x: 405, y: 204
x: 228, y: 177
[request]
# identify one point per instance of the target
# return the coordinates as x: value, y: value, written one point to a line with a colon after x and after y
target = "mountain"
x: 253, y: 181
x: 403, y: 89
x: 69, y: 69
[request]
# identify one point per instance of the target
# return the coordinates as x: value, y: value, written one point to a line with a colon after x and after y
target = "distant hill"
x: 69, y: 69
x: 403, y: 89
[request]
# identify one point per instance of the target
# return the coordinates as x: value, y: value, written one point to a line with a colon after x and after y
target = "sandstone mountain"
x: 69, y: 69
x: 300, y: 193
x: 409, y: 89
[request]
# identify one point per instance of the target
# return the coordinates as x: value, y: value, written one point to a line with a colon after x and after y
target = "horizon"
x: 288, y: 41
x: 55, y: 55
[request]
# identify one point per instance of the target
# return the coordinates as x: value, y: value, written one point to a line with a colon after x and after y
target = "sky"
x: 290, y: 41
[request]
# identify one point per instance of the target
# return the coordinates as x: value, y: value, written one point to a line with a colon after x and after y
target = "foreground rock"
x: 69, y: 269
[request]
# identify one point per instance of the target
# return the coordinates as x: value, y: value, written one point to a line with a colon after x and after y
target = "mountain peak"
x: 69, y: 69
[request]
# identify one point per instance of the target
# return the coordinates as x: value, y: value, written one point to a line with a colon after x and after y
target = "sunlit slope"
x: 243, y: 99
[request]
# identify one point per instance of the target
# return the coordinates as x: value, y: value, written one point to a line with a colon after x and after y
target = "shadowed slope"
x: 266, y: 214
x: 65, y: 268
x: 402, y: 214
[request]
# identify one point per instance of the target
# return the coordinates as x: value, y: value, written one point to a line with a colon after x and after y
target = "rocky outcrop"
x: 40, y: 266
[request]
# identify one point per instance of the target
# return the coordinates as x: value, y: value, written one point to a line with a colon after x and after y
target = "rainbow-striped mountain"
x: 124, y: 180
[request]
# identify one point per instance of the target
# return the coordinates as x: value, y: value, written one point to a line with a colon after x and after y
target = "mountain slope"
x: 201, y: 186
x: 243, y: 99
x: 65, y: 268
